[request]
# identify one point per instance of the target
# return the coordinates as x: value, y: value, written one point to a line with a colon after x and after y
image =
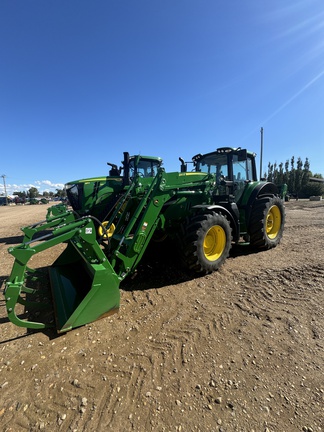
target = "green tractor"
x: 255, y: 209
x: 203, y: 212
x: 96, y: 196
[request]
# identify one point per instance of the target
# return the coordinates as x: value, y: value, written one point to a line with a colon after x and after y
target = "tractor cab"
x: 141, y: 166
x: 144, y: 166
x: 232, y: 168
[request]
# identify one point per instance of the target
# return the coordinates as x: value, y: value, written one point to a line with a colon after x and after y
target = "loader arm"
x: 145, y: 212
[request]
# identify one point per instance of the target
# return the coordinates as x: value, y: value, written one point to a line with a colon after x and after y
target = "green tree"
x: 286, y: 173
x: 291, y: 180
x: 305, y: 178
x: 298, y: 178
x: 33, y: 192
x: 269, y: 176
x: 275, y: 172
x: 280, y: 176
x: 61, y: 193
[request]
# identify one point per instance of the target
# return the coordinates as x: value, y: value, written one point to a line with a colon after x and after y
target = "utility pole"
x: 5, y: 188
x: 261, y: 153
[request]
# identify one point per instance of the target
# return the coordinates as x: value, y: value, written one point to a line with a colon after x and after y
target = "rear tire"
x: 267, y: 222
x: 206, y: 243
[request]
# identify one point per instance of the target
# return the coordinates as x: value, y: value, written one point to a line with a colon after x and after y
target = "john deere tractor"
x: 97, y: 195
x: 203, y: 212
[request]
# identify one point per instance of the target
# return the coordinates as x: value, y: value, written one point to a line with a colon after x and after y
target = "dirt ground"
x: 241, y: 349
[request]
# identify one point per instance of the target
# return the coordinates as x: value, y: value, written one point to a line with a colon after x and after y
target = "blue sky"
x: 82, y: 81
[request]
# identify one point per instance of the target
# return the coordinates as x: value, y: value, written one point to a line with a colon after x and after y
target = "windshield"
x: 214, y: 164
x: 145, y: 168
x: 217, y: 164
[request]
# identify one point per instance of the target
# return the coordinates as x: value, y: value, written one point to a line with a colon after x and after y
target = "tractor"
x: 203, y: 212
x: 96, y: 196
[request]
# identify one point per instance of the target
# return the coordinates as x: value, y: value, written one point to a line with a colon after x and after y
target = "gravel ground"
x: 238, y: 350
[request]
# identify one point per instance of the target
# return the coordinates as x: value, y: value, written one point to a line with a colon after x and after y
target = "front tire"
x: 207, y: 242
x: 267, y: 222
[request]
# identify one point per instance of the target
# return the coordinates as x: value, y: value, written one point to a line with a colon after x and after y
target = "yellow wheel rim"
x: 273, y: 222
x: 110, y: 230
x: 214, y: 243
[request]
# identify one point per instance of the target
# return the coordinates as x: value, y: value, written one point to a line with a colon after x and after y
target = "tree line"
x: 298, y: 177
x: 34, y: 193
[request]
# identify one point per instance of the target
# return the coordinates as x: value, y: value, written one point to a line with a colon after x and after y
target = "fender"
x: 253, y: 191
x: 227, y: 209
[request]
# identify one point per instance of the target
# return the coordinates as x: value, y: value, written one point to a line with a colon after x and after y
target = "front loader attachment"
x: 84, y: 285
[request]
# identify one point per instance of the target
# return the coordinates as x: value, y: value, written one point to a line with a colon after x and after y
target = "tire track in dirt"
x: 277, y: 298
x: 137, y: 381
x: 294, y: 285
x: 166, y: 355
x: 174, y: 349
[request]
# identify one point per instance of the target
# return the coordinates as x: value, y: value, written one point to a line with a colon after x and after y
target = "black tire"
x: 206, y: 242
x: 267, y: 222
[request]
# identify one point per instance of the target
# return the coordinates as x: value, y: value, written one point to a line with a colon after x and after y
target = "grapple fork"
x: 84, y: 285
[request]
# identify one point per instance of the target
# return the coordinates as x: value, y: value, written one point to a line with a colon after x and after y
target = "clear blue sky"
x: 82, y: 81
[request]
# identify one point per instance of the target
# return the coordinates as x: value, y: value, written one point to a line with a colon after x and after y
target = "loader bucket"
x: 84, y: 285
x: 82, y: 292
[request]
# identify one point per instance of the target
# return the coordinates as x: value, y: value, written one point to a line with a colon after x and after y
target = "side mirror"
x: 242, y: 155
